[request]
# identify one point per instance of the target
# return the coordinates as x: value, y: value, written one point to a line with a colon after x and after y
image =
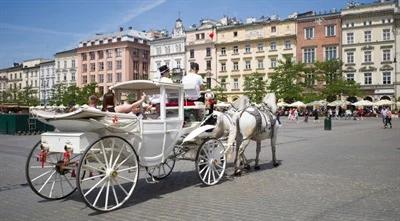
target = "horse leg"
x: 258, y: 149
x: 239, y: 140
x: 240, y: 154
x: 273, y: 145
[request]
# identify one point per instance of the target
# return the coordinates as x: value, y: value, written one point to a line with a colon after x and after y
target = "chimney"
x: 130, y: 28
x: 121, y: 28
x: 16, y: 64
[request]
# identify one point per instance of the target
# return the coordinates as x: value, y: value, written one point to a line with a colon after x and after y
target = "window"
x: 350, y: 38
x: 92, y: 78
x: 386, y: 55
x: 118, y: 52
x: 273, y: 62
x: 109, y: 53
x: 273, y: 46
x: 223, y: 67
x: 208, y: 52
x: 178, y: 47
x: 109, y: 65
x: 84, y: 68
x: 309, y: 33
x: 330, y: 53
x: 101, y: 78
x: 223, y: 51
x: 223, y: 83
x: 309, y: 79
x: 350, y: 57
x: 101, y: 66
x: 350, y: 76
x: 118, y: 65
x: 330, y: 30
x: 191, y: 53
x: 200, y: 36
x: 167, y: 49
x: 65, y: 64
x: 92, y: 66
x: 367, y: 56
x: 136, y: 66
x: 386, y: 78
x: 119, y: 77
x: 84, y: 58
x: 92, y: 56
x: 260, y: 64
x: 247, y: 65
x: 178, y: 63
x: 235, y: 49
x: 158, y: 50
x: 386, y: 34
x: 235, y: 66
x: 145, y: 67
x: 73, y: 64
x: 260, y: 47
x: 109, y: 78
x: 84, y: 79
x: 72, y: 76
x: 367, y: 36
x: 309, y: 55
x: 367, y: 78
x: 100, y: 54
x: 65, y: 76
x: 208, y: 65
x: 235, y: 34
x: 247, y: 49
x: 273, y: 28
x: 288, y: 44
x: 236, y: 83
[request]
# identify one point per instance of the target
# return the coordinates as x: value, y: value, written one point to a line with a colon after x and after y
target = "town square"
x: 216, y: 110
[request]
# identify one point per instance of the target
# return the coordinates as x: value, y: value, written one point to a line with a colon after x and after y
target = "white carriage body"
x: 153, y: 139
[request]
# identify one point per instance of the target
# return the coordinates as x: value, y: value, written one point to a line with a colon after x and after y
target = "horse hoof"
x: 238, y: 172
x: 276, y: 164
x: 247, y: 167
x: 257, y: 167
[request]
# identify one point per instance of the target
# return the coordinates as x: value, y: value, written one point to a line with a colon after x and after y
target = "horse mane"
x: 270, y: 101
x: 241, y: 103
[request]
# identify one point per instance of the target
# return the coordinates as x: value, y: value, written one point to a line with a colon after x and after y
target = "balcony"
x: 376, y: 86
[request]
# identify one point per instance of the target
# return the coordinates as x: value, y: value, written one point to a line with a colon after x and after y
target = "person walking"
x: 384, y: 114
x: 388, y: 118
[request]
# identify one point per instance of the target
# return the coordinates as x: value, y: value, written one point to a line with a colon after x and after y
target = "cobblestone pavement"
x: 349, y: 173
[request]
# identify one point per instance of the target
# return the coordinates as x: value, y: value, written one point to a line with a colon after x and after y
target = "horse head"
x: 270, y: 101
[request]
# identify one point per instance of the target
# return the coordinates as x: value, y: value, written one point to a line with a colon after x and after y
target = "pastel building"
x: 107, y: 59
x: 65, y: 67
x: 31, y: 70
x: 369, y: 48
x: 47, y: 81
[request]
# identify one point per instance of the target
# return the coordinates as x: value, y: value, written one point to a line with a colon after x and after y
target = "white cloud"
x: 13, y: 27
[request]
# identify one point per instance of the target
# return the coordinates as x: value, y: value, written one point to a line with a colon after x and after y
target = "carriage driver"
x: 192, y: 82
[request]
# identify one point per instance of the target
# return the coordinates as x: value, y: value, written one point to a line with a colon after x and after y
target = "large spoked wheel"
x: 48, y: 175
x: 163, y: 170
x: 111, y: 166
x: 211, y: 162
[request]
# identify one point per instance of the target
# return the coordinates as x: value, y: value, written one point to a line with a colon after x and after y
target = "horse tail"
x: 270, y: 100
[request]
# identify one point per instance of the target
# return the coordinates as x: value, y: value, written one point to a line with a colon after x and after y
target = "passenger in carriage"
x: 192, y: 82
x: 93, y: 100
x: 109, y: 104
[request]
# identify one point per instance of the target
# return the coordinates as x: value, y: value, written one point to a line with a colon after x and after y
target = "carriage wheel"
x: 211, y: 161
x: 112, y: 169
x: 163, y: 170
x: 48, y: 175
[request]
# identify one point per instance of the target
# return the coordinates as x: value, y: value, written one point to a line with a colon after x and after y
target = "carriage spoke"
x: 163, y: 167
x: 206, y: 173
x: 94, y: 168
x: 127, y: 179
x: 120, y: 186
x: 40, y: 167
x: 124, y: 160
x: 112, y: 152
x: 93, y: 187
x: 48, y: 179
x: 114, y: 192
x: 69, y: 182
x: 98, y: 195
x: 52, y: 186
x: 125, y: 169
x: 92, y: 177
x: 209, y: 175
x: 213, y: 175
x: 205, y: 167
x: 104, y: 152
x: 118, y: 156
x: 95, y: 157
x: 107, y: 193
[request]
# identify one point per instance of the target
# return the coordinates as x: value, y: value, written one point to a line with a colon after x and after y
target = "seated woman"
x: 109, y: 104
x: 92, y: 103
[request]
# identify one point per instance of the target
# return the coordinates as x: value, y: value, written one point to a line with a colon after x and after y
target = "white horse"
x: 256, y: 124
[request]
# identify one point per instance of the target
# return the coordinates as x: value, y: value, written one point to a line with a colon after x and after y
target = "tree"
x: 286, y: 80
x: 219, y: 93
x: 26, y: 96
x: 335, y: 84
x: 255, y: 87
x: 72, y: 95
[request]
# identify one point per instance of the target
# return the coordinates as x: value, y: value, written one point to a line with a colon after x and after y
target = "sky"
x: 40, y: 28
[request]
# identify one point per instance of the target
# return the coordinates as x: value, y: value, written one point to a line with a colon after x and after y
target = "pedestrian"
x: 278, y: 116
x: 384, y: 114
x: 306, y: 115
x: 316, y: 117
x: 388, y: 118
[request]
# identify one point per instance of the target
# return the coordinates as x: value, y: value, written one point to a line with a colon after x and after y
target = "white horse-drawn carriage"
x: 101, y: 153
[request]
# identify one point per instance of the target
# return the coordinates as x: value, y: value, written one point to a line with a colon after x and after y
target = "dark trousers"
x: 388, y: 120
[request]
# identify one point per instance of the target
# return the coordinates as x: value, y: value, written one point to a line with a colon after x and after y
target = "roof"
x: 143, y: 85
x: 71, y: 51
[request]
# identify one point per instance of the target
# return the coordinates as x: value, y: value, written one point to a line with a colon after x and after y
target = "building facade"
x: 200, y: 48
x: 256, y: 46
x: 170, y: 51
x: 47, y: 80
x: 64, y: 67
x: 369, y: 48
x: 111, y: 58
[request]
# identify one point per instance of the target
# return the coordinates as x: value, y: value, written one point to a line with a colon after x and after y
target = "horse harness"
x: 270, y: 121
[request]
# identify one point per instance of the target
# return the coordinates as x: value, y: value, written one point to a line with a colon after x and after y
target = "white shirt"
x: 191, y: 83
x: 166, y: 80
